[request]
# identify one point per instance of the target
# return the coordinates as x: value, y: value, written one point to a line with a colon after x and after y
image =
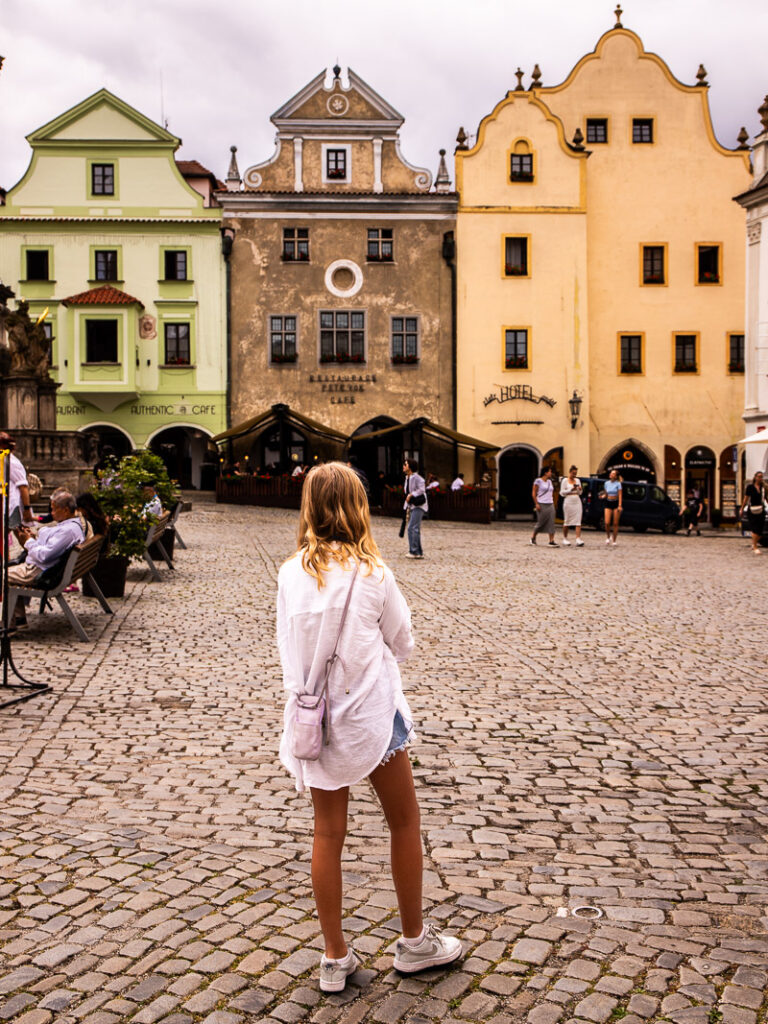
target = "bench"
x: 172, y: 524
x: 155, y: 536
x: 80, y: 560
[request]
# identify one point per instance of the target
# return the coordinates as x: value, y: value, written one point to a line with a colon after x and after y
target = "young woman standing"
x: 754, y: 503
x: 338, y: 566
x: 612, y: 500
x: 570, y: 492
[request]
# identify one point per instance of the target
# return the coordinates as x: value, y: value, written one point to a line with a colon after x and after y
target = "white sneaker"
x: 434, y: 950
x: 334, y: 973
x: 566, y: 543
x: 409, y: 555
x: 614, y: 543
x: 579, y: 543
x: 607, y: 540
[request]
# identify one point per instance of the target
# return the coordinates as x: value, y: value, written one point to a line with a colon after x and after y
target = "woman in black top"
x: 754, y: 503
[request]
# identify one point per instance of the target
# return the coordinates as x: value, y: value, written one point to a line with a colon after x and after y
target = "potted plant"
x: 119, y: 492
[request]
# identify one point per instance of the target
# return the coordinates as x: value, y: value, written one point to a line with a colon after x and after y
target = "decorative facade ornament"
x: 147, y: 327
x: 763, y: 112
x: 233, y: 182
x: 742, y: 138
x: 578, y: 139
x: 461, y: 139
x: 337, y: 105
x: 536, y: 77
x: 442, y: 181
x: 618, y: 12
x: 343, y: 278
x: 253, y: 179
x: 753, y: 232
x: 519, y: 75
x: 701, y: 75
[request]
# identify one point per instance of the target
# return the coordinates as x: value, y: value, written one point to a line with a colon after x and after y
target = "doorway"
x: 518, y: 468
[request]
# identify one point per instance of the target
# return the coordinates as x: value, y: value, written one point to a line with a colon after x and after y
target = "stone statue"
x: 30, y: 349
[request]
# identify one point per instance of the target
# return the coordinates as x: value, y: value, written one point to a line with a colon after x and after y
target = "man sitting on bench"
x: 44, y: 551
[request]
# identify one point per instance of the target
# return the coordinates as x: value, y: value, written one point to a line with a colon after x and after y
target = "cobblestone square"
x: 592, y: 732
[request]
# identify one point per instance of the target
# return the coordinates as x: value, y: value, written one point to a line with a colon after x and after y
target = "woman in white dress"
x: 570, y: 492
x: 369, y: 722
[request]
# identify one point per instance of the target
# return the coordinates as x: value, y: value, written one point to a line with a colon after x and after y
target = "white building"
x: 755, y: 202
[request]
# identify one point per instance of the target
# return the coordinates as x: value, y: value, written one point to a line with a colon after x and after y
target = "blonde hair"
x: 334, y: 523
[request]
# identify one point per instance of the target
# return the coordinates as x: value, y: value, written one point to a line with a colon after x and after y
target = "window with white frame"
x: 282, y: 339
x: 405, y: 339
x: 342, y: 336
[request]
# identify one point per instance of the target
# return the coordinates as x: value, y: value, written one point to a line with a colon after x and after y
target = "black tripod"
x: 29, y: 688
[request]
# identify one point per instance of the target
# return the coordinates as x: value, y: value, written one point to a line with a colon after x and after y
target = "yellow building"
x: 601, y: 259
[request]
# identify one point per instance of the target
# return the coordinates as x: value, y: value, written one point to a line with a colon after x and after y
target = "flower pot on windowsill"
x: 512, y: 270
x: 653, y: 279
x: 685, y: 368
x: 342, y: 359
x: 517, y: 364
x: 405, y: 360
x: 735, y: 367
x: 520, y: 176
x: 709, y: 278
x: 284, y: 358
x: 631, y: 368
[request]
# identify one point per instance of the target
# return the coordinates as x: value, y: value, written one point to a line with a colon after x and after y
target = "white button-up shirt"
x: 53, y: 543
x: 366, y: 690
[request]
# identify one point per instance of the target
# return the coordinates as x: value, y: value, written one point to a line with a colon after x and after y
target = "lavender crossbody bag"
x: 312, y: 719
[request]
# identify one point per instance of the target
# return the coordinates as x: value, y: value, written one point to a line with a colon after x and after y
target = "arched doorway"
x: 700, y: 466
x: 110, y: 441
x: 518, y: 468
x: 381, y: 461
x: 632, y: 461
x: 729, y: 498
x: 184, y: 450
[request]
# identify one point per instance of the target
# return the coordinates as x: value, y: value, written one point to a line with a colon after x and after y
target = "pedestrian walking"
x: 754, y: 503
x: 543, y: 494
x: 19, y: 503
x: 415, y: 506
x: 612, y: 495
x: 570, y: 492
x: 343, y: 625
x: 694, y: 510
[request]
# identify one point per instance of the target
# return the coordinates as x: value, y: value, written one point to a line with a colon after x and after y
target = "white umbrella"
x: 761, y: 437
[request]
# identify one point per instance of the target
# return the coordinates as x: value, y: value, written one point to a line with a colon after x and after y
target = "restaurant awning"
x: 433, y: 429
x: 256, y: 424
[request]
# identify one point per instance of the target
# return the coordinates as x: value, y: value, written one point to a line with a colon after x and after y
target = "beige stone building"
x: 601, y: 278
x: 342, y: 283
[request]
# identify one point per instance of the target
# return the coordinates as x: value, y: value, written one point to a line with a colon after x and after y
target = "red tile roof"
x: 104, y: 296
x: 193, y: 168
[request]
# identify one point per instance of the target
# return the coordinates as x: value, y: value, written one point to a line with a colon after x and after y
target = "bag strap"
x: 334, y: 657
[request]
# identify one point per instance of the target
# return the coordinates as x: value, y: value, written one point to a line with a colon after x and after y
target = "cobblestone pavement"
x: 592, y: 732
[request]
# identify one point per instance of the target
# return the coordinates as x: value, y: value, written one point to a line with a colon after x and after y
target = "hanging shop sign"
x: 513, y: 392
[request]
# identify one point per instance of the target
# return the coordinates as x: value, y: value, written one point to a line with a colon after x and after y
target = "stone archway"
x: 633, y: 460
x: 184, y: 450
x: 518, y: 467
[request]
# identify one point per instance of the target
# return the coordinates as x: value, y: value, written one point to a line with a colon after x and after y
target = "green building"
x: 122, y: 244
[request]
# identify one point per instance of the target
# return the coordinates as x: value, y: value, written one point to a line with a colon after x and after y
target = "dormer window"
x: 521, y: 162
x: 336, y: 164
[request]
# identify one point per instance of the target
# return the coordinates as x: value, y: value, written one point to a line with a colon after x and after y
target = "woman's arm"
x: 395, y: 619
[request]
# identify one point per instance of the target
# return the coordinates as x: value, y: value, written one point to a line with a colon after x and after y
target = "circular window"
x: 343, y: 278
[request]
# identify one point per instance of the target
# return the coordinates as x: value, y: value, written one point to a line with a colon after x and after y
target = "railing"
x: 471, y: 505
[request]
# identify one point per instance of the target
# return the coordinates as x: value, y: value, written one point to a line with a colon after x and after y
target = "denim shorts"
x: 399, y: 740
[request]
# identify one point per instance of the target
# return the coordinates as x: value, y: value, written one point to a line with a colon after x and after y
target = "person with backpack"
x: 342, y: 627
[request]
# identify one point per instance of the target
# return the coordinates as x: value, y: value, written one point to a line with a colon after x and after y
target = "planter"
x: 168, y: 540
x: 110, y: 574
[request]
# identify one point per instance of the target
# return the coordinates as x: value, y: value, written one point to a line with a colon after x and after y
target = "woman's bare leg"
x: 330, y: 832
x: 393, y: 783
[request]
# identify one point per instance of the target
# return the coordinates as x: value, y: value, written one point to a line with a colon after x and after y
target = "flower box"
x: 405, y: 360
x: 341, y: 358
x: 284, y: 357
x: 735, y: 367
x: 516, y: 363
x: 521, y: 176
x: 653, y: 279
x: 709, y: 277
x: 685, y: 368
x: 513, y: 270
x: 631, y: 368
x: 337, y: 175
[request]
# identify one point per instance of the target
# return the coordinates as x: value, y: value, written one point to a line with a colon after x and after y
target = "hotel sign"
x: 513, y: 392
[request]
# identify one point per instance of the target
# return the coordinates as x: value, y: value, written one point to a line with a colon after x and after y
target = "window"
x: 597, y: 129
x: 105, y: 265
x: 405, y: 339
x: 516, y: 349
x: 685, y: 353
x: 631, y: 353
x: 101, y: 341
x: 736, y: 353
x: 380, y: 245
x: 342, y: 337
x: 642, y: 129
x: 336, y: 164
x: 102, y: 179
x: 634, y: 492
x: 516, y: 257
x: 654, y: 271
x: 708, y: 264
x: 177, y: 351
x: 521, y: 167
x: 296, y: 245
x: 282, y: 339
x: 37, y: 265
x: 175, y: 264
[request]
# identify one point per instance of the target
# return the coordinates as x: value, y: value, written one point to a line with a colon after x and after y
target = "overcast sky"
x: 227, y: 66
